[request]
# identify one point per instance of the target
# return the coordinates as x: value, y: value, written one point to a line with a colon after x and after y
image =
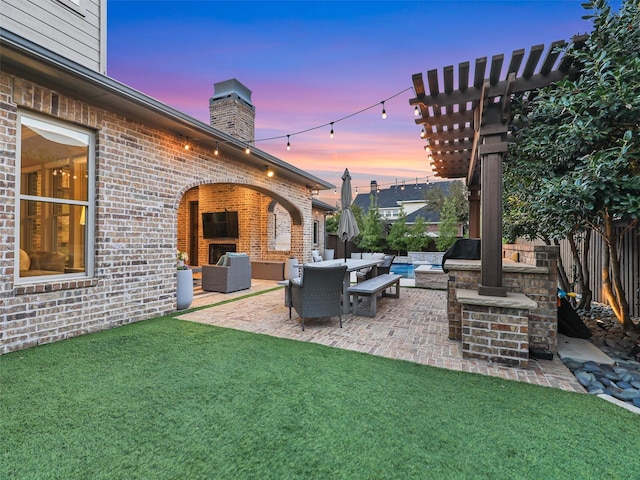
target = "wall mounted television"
x: 220, y: 225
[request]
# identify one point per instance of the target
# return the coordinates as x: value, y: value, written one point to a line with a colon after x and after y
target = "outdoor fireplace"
x: 216, y: 250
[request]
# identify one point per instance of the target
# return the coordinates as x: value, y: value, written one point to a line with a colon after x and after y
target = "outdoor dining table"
x: 353, y: 265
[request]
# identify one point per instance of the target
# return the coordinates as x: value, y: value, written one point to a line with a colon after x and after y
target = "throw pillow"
x: 25, y: 261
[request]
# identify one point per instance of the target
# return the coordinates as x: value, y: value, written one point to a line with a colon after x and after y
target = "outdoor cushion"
x: 222, y: 261
x: 374, y: 256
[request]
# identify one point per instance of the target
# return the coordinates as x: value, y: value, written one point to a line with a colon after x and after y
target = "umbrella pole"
x: 345, y: 250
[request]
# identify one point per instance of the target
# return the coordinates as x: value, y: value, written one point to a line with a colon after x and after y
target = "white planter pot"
x: 184, y: 292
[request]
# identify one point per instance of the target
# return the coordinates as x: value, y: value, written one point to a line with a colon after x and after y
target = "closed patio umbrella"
x: 347, y: 228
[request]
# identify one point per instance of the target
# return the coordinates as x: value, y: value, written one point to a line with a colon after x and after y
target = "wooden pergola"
x: 467, y: 131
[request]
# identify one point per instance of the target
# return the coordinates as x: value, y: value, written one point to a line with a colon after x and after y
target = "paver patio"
x: 413, y: 328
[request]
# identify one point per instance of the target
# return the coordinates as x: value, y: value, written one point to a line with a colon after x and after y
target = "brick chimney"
x: 374, y: 186
x: 231, y: 110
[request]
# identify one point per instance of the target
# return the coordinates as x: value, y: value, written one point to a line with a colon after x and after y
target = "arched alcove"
x: 269, y: 226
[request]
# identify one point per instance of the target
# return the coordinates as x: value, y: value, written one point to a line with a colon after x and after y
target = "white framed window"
x: 55, y: 203
x: 77, y: 6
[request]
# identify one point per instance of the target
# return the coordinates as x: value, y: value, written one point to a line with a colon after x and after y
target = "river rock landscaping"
x: 621, y: 380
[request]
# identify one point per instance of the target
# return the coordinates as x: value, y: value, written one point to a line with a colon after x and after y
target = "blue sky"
x: 310, y: 63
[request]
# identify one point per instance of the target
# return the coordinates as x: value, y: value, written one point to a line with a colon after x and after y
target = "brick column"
x: 496, y: 329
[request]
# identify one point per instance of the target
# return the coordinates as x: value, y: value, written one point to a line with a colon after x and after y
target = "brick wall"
x: 496, y: 334
x: 541, y: 286
x: 141, y: 176
x: 534, y: 275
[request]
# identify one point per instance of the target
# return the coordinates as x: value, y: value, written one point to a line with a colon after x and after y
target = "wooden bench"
x: 370, y: 288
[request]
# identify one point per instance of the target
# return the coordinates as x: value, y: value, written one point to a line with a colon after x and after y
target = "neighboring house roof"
x: 393, y: 196
x: 429, y: 216
x: 319, y: 204
x: 38, y: 64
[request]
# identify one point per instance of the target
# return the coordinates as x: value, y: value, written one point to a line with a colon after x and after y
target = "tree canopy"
x: 575, y: 163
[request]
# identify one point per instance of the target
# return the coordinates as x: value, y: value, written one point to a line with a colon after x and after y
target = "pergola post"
x: 474, y: 211
x: 491, y: 211
x: 491, y: 152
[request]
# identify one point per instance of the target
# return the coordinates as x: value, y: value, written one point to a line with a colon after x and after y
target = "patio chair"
x: 233, y: 275
x: 317, y: 294
x: 385, y: 267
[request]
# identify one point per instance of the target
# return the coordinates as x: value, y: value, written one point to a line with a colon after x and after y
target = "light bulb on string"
x: 423, y: 133
x: 247, y: 150
x: 216, y: 152
x: 288, y: 143
x: 416, y: 111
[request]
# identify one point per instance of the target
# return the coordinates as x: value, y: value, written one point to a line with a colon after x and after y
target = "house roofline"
x: 38, y: 64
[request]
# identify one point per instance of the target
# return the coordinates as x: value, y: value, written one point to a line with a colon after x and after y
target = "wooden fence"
x: 629, y: 265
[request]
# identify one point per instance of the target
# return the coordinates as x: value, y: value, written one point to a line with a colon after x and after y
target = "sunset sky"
x: 311, y: 63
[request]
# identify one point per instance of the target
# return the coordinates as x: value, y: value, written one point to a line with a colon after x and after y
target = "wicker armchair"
x: 318, y: 292
x: 235, y: 275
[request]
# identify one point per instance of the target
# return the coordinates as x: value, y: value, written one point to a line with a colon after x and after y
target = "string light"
x: 423, y: 133
x: 396, y: 183
x: 186, y: 144
x: 331, y: 124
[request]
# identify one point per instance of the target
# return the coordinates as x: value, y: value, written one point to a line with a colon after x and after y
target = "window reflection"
x: 53, y: 198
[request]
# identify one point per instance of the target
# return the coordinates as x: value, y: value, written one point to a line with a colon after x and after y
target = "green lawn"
x: 167, y: 399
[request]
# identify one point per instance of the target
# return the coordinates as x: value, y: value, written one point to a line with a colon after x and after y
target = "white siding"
x: 75, y: 33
